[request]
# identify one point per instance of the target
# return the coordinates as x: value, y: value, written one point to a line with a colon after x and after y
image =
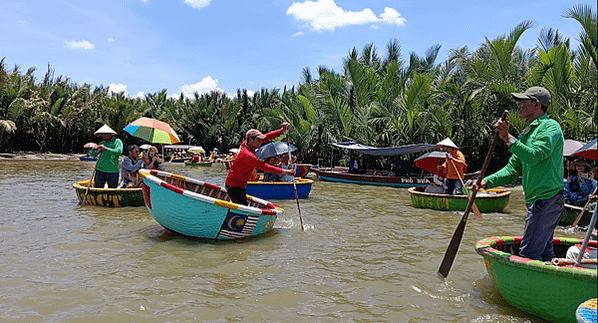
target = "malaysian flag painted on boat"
x: 238, y: 225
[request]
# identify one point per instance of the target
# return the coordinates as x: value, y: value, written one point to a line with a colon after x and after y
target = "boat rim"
x: 150, y: 175
x: 487, y: 249
x: 298, y: 181
x: 82, y: 185
x: 500, y: 192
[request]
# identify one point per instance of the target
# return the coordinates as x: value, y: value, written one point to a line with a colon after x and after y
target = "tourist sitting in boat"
x: 354, y: 166
x: 272, y: 177
x: 129, y: 168
x: 590, y: 253
x: 196, y: 159
x: 401, y: 167
x: 454, y: 164
x: 437, y: 186
x: 580, y: 186
x: 153, y: 159
x: 285, y: 164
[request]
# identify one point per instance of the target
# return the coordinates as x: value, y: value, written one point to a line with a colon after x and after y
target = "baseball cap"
x: 535, y: 92
x: 255, y: 133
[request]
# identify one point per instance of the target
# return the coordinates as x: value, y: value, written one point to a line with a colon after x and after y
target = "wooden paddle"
x: 574, y: 225
x: 476, y: 211
x: 93, y: 174
x: 453, y: 247
x: 568, y: 262
x: 294, y: 184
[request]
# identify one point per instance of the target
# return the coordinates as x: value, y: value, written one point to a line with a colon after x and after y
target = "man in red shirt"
x: 245, y: 161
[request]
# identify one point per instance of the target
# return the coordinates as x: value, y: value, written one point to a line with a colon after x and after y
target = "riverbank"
x: 30, y: 155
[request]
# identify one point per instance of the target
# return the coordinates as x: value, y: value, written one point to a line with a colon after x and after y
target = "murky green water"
x: 366, y: 256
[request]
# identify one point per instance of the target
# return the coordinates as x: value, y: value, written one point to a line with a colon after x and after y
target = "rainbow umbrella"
x: 152, y: 130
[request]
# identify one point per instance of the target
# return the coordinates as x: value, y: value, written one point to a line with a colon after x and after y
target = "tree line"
x: 378, y: 99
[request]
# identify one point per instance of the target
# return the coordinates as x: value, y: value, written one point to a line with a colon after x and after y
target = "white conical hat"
x: 448, y: 143
x: 105, y: 129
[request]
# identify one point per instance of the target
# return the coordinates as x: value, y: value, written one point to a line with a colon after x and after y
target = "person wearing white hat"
x: 454, y: 164
x: 110, y: 148
x: 537, y: 157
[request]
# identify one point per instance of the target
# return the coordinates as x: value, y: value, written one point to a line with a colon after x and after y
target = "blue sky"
x: 183, y: 46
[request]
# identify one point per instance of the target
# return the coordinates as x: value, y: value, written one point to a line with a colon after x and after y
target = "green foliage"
x: 376, y: 100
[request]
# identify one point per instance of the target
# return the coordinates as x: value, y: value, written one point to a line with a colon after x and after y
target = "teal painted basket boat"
x: 492, y: 200
x: 280, y: 190
x: 197, y: 209
x: 110, y: 197
x: 539, y: 288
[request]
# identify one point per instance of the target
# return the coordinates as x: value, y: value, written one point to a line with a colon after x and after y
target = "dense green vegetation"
x: 380, y: 100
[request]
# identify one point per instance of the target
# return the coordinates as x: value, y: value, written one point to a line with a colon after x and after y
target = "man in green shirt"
x: 538, y: 159
x: 110, y: 148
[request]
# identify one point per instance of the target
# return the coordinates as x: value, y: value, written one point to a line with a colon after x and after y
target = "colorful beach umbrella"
x: 430, y: 160
x: 152, y: 130
x: 90, y: 145
x: 570, y: 146
x: 587, y: 151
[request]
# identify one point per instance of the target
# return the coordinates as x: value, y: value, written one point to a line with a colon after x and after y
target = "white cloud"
x: 299, y: 33
x: 110, y: 40
x: 327, y: 15
x: 208, y: 84
x: 84, y: 45
x: 198, y: 4
x: 144, y: 1
x: 140, y: 95
x: 391, y: 16
x: 117, y: 88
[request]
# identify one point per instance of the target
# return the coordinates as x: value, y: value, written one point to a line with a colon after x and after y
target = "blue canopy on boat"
x: 385, y: 151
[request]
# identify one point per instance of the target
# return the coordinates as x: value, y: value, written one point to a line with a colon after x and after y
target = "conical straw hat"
x: 448, y: 143
x: 105, y: 129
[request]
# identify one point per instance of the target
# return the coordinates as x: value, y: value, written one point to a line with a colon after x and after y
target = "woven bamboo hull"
x: 198, y: 209
x: 444, y: 202
x: 548, y: 291
x: 110, y: 197
x: 280, y: 190
x: 380, y: 180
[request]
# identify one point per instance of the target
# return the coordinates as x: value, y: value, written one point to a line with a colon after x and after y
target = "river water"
x: 366, y: 255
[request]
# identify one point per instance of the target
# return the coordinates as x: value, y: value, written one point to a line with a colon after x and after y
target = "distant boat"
x: 494, y: 200
x: 280, y: 190
x: 86, y: 158
x: 570, y: 214
x: 343, y: 176
x: 199, y: 164
x: 197, y: 209
x: 110, y: 197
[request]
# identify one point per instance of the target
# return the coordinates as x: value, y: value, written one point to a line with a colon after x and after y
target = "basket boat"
x: 200, y: 164
x: 302, y: 169
x: 110, y: 197
x: 493, y: 200
x: 280, y: 190
x: 198, y: 209
x: 570, y: 214
x: 539, y: 288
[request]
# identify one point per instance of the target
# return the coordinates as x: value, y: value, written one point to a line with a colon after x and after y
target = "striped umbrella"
x: 152, y: 130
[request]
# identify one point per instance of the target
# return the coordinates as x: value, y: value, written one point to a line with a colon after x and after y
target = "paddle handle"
x: 476, y: 211
x: 93, y: 174
x: 574, y: 225
x: 453, y: 247
x: 294, y: 184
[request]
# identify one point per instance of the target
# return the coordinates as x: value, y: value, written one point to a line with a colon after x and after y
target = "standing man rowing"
x: 538, y: 159
x: 245, y: 161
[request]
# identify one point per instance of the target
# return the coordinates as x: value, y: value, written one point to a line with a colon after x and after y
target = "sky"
x: 184, y: 46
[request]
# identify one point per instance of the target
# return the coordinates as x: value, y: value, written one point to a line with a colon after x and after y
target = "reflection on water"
x: 366, y: 255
